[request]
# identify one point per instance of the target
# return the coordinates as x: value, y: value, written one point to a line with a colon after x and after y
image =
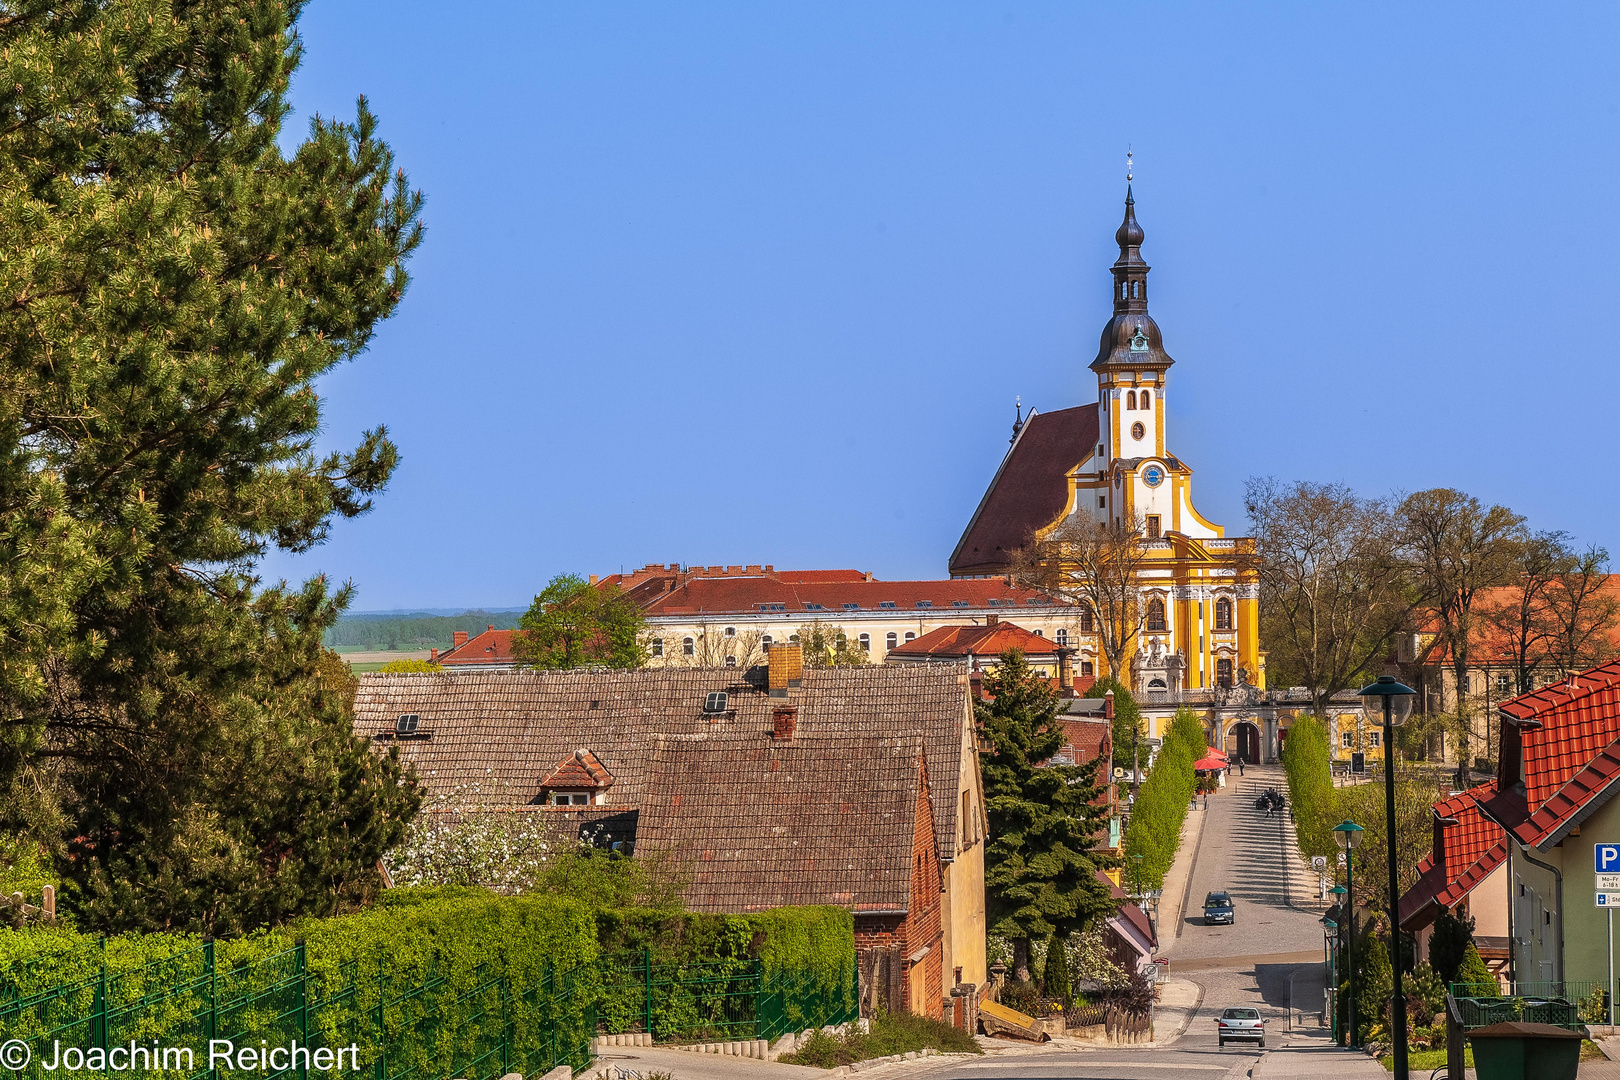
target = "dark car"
x: 1218, y: 909
x: 1241, y: 1024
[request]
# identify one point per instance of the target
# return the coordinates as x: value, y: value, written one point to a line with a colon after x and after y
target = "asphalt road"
x: 1270, y: 955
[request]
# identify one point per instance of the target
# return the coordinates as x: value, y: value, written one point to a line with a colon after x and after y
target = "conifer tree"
x: 172, y: 287
x: 1042, y: 860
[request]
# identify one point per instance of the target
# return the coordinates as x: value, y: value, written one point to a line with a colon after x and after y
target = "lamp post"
x: 1394, y: 699
x: 1338, y: 892
x: 1136, y: 873
x: 1348, y: 835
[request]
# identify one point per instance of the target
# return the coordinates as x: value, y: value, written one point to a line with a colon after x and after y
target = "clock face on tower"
x: 1153, y: 476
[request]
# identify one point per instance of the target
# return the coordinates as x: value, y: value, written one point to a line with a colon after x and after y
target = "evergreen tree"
x: 175, y: 288
x: 1449, y: 944
x: 1473, y: 974
x: 1127, y: 722
x: 1041, y: 862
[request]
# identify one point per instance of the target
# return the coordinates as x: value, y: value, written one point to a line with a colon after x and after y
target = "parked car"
x: 1241, y: 1024
x: 1218, y: 909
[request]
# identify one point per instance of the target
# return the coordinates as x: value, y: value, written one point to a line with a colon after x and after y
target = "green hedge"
x: 446, y: 960
x: 1161, y: 805
x: 1306, y: 754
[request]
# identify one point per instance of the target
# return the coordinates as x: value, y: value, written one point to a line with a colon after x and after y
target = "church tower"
x: 1107, y: 462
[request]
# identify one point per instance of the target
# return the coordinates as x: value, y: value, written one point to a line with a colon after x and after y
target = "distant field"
x: 361, y: 669
x: 357, y: 657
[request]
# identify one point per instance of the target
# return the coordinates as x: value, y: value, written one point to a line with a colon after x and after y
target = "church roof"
x: 1029, y: 492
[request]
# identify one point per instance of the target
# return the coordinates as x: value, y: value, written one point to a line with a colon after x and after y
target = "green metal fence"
x: 1563, y: 1004
x: 186, y: 1018
x: 715, y: 1000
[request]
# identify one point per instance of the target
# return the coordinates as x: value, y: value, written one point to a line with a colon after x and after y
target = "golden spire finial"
x: 1128, y: 164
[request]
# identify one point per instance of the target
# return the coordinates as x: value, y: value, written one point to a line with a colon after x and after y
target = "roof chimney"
x: 785, y: 664
x: 593, y: 579
x: 992, y: 620
x: 1108, y: 705
x: 458, y: 639
x: 433, y: 657
x: 783, y: 720
x: 491, y: 626
x: 1065, y: 670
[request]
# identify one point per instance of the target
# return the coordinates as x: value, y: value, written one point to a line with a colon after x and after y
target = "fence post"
x: 648, y: 955
x: 303, y: 1008
x: 381, y: 1069
x: 98, y: 1026
x: 506, y: 1025
x: 212, y: 1023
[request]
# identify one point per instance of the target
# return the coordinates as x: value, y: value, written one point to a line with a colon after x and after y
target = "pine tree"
x: 1449, y: 944
x: 1041, y: 861
x: 174, y: 289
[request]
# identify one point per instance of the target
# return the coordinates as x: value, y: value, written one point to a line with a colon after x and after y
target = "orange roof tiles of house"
x: 578, y: 770
x: 958, y: 642
x: 491, y: 647
x: 1030, y: 490
x: 745, y: 595
x: 1468, y: 847
x: 1494, y: 646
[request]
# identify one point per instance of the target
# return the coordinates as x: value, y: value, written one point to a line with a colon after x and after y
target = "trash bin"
x: 1520, y: 1051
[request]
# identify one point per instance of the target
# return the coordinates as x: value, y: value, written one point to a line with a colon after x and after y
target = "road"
x: 1269, y: 956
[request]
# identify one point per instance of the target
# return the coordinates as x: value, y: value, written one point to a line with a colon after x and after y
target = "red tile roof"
x: 827, y: 599
x: 581, y: 769
x: 1030, y: 490
x: 1570, y: 737
x: 491, y: 647
x: 1084, y: 740
x: 1471, y: 846
x: 959, y: 642
x: 1494, y: 645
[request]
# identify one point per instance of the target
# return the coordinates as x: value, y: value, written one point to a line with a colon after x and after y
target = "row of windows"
x: 890, y: 605
x: 1145, y: 401
x: 1156, y: 621
x: 689, y: 645
x: 1347, y: 740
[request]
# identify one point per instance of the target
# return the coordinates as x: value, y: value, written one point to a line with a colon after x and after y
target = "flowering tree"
x: 463, y: 837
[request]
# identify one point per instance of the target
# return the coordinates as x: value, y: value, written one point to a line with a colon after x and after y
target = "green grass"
x: 1434, y: 1059
x: 896, y: 1033
x: 361, y: 669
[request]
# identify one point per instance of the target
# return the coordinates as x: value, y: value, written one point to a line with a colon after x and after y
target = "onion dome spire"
x: 1131, y: 338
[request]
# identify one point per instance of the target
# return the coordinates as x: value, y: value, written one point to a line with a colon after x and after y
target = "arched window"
x: 766, y: 642
x: 731, y: 661
x: 1087, y: 620
x: 1130, y: 399
x: 1223, y: 614
x: 891, y: 640
x: 1086, y: 669
x: 793, y: 638
x: 731, y: 631
x: 1147, y: 399
x: 910, y: 636
x: 688, y: 647
x: 1223, y: 673
x: 1155, y: 615
x: 865, y: 641
x: 658, y: 646
x: 1062, y: 635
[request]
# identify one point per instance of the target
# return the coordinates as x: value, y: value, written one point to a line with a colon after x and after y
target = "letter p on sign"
x: 1606, y: 858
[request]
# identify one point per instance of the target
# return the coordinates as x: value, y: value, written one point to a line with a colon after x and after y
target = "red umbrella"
x: 1209, y: 763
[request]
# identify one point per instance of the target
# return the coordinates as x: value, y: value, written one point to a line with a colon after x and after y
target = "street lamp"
x: 1339, y: 892
x: 1394, y: 699
x: 1348, y: 835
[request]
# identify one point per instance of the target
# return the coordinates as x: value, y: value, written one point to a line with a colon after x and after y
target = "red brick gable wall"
x: 924, y: 925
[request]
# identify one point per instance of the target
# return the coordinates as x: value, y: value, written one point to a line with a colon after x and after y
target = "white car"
x: 1241, y: 1024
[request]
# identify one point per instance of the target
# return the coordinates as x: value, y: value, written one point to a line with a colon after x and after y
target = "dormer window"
x: 580, y: 779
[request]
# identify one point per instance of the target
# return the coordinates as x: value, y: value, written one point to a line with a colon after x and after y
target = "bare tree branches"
x: 1332, y: 593
x: 1097, y: 566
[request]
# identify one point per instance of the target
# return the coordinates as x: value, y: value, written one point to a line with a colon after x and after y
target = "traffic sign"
x: 1319, y: 862
x: 1341, y: 859
x: 1608, y: 882
x: 1608, y: 899
x: 1606, y: 858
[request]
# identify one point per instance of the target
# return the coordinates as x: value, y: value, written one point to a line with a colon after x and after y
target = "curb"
x: 869, y: 1064
x: 1192, y: 868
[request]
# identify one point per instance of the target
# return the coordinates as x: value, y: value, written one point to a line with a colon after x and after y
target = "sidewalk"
x: 1307, y: 1057
x: 1173, y: 1012
x: 1179, y: 877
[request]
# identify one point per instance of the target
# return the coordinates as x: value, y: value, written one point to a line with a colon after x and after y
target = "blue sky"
x: 721, y: 283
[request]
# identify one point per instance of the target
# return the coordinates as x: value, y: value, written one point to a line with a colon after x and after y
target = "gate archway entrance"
x: 1244, y: 742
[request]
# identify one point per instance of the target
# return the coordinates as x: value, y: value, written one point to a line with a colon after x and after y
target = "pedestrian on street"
x: 1240, y: 766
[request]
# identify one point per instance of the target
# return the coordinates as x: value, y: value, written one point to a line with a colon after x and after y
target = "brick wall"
x: 924, y: 926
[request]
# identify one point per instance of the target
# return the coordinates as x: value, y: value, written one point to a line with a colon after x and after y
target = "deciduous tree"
x: 573, y: 623
x: 1097, y: 565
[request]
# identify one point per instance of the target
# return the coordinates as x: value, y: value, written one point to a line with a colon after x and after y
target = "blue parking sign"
x: 1606, y: 858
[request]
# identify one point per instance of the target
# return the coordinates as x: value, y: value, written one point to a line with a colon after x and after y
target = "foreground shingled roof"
x: 763, y: 822
x: 505, y: 731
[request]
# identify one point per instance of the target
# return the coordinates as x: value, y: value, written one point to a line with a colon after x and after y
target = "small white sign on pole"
x: 1319, y: 862
x: 1608, y: 882
x: 1608, y: 899
x: 1341, y: 858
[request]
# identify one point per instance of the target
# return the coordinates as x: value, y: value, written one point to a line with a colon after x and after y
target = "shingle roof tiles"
x: 761, y: 822
x: 491, y: 737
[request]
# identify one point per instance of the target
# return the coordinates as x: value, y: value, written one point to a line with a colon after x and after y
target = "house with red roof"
x: 488, y: 651
x: 979, y: 645
x: 729, y: 616
x: 1528, y: 842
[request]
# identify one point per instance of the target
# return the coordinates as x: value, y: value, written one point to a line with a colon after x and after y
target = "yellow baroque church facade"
x: 1199, y: 641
